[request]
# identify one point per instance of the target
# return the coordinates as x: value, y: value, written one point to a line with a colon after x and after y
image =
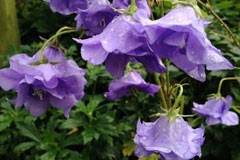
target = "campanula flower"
x: 175, y: 140
x: 216, y: 111
x: 122, y: 41
x: 92, y: 15
x: 122, y: 87
x: 95, y: 17
x: 180, y: 36
x: 59, y: 82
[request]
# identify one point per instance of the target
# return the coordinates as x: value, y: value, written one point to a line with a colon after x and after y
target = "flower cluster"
x: 124, y: 33
x: 178, y: 36
x: 59, y: 82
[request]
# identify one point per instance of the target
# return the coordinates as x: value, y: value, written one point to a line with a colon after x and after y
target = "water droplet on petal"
x: 144, y: 138
x: 180, y: 19
x: 104, y: 42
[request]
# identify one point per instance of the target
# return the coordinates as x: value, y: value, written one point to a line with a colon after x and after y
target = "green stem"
x: 236, y: 109
x: 59, y: 33
x: 177, y: 101
x: 168, y: 84
x: 133, y: 2
x: 64, y: 28
x: 225, y: 79
x: 209, y: 8
x: 156, y: 76
x: 182, y: 106
x: 162, y: 8
x: 193, y: 123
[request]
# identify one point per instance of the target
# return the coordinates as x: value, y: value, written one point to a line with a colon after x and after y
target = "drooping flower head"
x: 180, y: 36
x: 59, y: 82
x: 122, y: 87
x: 92, y: 15
x: 122, y: 41
x: 172, y: 140
x: 217, y: 111
x: 96, y: 16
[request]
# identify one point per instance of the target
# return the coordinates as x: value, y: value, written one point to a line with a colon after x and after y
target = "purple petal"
x: 152, y: 63
x: 116, y: 63
x: 93, y: 51
x: 9, y: 79
x: 23, y: 94
x: 141, y: 152
x: 212, y: 121
x: 36, y: 106
x: 67, y: 7
x: 51, y: 54
x: 120, y: 35
x: 65, y: 104
x: 122, y: 87
x: 173, y: 140
x: 230, y: 119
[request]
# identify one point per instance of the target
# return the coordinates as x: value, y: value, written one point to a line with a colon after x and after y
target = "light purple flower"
x: 60, y: 82
x: 217, y: 111
x: 122, y: 87
x: 172, y: 140
x: 67, y: 7
x: 95, y: 17
x: 122, y: 41
x: 180, y: 36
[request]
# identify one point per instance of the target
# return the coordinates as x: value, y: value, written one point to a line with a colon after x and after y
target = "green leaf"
x: 89, y: 134
x: 71, y: 123
x: 128, y: 148
x: 24, y: 146
x: 48, y: 156
x: 151, y: 157
x: 75, y: 139
x: 29, y: 130
x: 5, y: 122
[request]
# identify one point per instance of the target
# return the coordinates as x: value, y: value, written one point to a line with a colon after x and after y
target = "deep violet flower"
x: 175, y: 140
x: 60, y: 82
x: 217, y: 111
x: 122, y: 87
x: 122, y: 41
x: 180, y: 36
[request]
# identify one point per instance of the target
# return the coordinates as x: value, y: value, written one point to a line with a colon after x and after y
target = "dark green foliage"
x: 99, y: 129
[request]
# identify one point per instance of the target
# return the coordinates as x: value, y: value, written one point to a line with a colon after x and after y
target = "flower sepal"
x: 172, y: 114
x: 132, y: 9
